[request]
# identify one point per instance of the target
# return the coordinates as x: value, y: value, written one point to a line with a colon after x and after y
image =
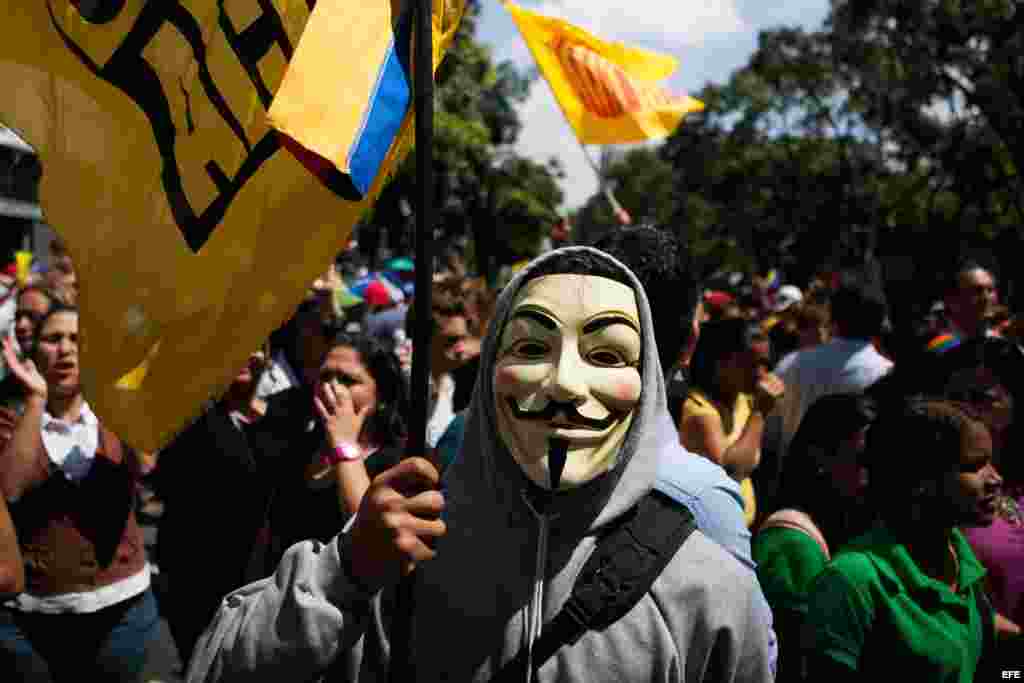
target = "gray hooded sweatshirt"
x: 500, y: 573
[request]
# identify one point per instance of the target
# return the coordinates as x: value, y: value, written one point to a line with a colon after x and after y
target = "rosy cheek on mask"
x: 628, y: 392
x: 505, y: 377
x: 516, y: 377
x: 619, y: 392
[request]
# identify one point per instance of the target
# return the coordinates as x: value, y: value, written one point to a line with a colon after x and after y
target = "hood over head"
x: 485, y: 470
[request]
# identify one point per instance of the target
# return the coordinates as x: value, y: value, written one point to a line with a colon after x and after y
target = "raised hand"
x: 769, y: 390
x: 1006, y: 629
x: 342, y: 422
x: 323, y: 288
x: 397, y: 525
x: 404, y: 353
x: 24, y: 370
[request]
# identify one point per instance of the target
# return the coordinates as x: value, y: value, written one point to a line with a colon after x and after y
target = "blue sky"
x: 711, y: 39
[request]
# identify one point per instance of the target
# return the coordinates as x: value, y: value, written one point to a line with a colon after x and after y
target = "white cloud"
x: 547, y: 134
x: 665, y: 23
x: 654, y: 24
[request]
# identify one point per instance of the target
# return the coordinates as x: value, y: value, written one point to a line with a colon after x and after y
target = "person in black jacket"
x: 216, y: 490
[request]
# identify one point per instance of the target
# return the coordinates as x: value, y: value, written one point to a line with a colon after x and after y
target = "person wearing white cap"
x: 786, y: 297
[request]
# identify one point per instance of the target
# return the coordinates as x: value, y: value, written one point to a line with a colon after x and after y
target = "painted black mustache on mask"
x: 553, y: 408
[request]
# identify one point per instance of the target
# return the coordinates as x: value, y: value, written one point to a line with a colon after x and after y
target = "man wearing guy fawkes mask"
x: 559, y: 445
x: 567, y: 377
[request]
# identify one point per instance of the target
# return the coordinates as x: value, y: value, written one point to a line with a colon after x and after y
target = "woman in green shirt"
x: 907, y: 596
x: 819, y: 507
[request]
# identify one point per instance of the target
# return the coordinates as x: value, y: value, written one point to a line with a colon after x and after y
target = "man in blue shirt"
x: 663, y: 265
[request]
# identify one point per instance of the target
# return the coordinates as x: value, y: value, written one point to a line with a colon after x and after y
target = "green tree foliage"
x: 642, y: 183
x: 943, y: 82
x: 525, y: 198
x: 776, y: 162
x: 897, y: 128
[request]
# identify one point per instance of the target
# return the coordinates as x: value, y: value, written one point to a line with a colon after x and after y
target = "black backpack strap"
x: 623, y: 567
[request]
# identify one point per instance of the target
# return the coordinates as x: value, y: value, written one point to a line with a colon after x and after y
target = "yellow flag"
x: 194, y: 232
x: 607, y: 91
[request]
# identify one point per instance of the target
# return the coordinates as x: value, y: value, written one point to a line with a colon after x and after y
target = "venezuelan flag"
x: 348, y: 88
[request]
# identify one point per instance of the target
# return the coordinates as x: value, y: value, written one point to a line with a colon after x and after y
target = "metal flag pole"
x: 402, y: 669
x: 620, y: 213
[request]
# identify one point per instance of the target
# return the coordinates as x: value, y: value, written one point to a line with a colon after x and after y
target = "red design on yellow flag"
x: 608, y: 91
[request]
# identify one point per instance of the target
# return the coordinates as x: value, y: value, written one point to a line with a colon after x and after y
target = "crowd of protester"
x: 876, y: 498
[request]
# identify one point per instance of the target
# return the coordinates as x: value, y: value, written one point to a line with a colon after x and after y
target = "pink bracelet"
x: 346, y: 452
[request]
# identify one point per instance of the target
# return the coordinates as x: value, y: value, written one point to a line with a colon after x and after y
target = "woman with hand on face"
x: 87, y: 612
x: 908, y: 595
x: 361, y: 403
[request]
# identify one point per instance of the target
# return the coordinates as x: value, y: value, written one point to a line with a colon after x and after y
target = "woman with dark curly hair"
x: 354, y: 429
x: 361, y: 400
x: 908, y: 595
x: 988, y: 373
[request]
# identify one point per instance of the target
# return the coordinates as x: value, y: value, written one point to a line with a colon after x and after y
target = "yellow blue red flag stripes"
x: 607, y: 91
x: 348, y: 124
x: 193, y: 229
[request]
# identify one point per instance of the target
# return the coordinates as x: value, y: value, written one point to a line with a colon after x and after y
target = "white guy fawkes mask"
x: 571, y: 340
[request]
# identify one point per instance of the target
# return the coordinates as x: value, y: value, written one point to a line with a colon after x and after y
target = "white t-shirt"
x: 841, y: 366
x: 277, y: 377
x: 72, y: 445
x: 443, y: 412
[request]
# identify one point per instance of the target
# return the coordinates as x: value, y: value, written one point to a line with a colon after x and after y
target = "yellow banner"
x: 194, y: 232
x: 607, y: 91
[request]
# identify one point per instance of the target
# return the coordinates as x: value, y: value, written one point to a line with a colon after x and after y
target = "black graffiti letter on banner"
x: 250, y: 46
x: 99, y: 11
x: 129, y: 71
x: 253, y: 44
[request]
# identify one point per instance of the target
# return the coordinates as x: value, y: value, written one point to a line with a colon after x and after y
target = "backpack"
x: 628, y: 559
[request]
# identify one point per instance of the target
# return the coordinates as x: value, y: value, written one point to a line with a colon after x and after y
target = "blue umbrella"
x: 358, y: 287
x: 400, y: 263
